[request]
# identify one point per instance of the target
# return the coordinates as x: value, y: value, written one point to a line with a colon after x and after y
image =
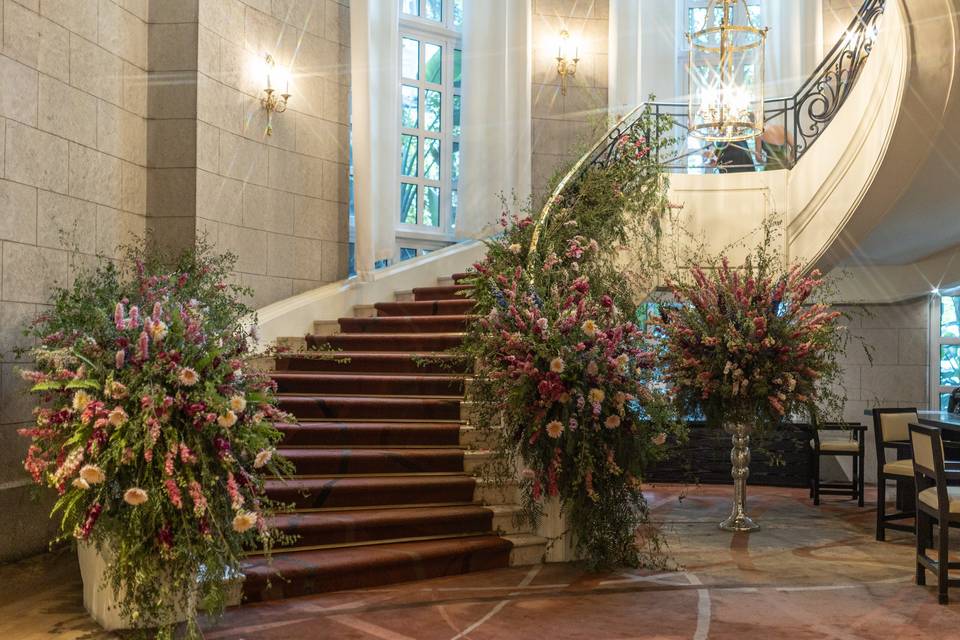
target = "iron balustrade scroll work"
x: 792, y: 124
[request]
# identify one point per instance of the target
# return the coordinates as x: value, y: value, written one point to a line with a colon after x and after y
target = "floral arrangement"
x: 564, y: 374
x: 154, y: 430
x: 753, y: 344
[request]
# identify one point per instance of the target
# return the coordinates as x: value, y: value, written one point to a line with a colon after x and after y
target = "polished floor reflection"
x: 810, y: 573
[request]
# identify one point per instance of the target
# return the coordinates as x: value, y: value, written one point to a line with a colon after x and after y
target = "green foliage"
x: 155, y: 431
x: 564, y: 378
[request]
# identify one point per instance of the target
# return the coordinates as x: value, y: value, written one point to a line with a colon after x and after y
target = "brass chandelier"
x: 726, y: 74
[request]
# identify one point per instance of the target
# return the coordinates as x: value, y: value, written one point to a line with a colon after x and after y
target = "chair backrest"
x: 928, y: 467
x: 893, y: 425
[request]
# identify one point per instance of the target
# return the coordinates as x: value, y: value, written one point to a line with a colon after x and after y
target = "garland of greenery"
x: 564, y: 377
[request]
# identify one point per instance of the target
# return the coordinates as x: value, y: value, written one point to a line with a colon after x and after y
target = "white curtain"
x: 794, y: 43
x: 375, y: 70
x: 625, y: 58
x: 495, y: 156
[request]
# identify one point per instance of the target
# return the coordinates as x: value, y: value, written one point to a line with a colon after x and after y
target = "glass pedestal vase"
x: 739, y: 521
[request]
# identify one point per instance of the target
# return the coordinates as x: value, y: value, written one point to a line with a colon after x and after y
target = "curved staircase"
x: 382, y: 489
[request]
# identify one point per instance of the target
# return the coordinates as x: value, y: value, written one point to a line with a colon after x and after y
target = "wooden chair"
x: 936, y: 502
x: 891, y: 430
x: 852, y: 445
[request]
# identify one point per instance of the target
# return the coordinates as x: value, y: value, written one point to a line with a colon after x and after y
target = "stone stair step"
x: 373, y: 525
x: 448, y: 292
x: 383, y: 434
x: 327, y: 493
x: 386, y: 342
x: 491, y: 493
x: 369, y: 384
x: 527, y: 549
x: 331, y: 407
x: 315, y: 461
x: 423, y: 308
x: 405, y: 324
x: 356, y: 361
x: 307, y: 572
x: 473, y: 461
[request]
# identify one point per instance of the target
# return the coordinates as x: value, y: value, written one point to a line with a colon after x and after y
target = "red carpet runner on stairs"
x: 380, y: 489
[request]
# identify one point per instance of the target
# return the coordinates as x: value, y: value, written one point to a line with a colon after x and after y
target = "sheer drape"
x: 794, y: 43
x: 375, y: 70
x: 495, y: 156
x: 626, y: 57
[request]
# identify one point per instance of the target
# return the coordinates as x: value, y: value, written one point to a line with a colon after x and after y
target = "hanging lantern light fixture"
x: 726, y: 74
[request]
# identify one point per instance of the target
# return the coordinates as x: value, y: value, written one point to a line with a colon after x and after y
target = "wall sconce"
x: 272, y: 102
x: 566, y: 67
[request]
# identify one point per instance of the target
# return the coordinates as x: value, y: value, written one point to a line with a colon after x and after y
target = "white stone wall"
x: 899, y: 337
x: 280, y: 201
x: 564, y: 126
x: 73, y: 106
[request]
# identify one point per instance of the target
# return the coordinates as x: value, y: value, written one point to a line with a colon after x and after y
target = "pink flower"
x: 659, y: 440
x: 143, y: 350
x: 173, y: 492
x: 119, y: 358
x: 118, y: 315
x: 612, y: 422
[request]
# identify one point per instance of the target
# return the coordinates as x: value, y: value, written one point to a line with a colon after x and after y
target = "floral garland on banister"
x: 564, y: 375
x: 754, y: 344
x: 155, y: 432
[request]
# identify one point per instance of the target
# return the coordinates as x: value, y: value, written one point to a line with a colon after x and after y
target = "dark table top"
x: 940, y: 419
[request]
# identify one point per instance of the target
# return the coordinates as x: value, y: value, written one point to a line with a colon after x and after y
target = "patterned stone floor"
x: 809, y: 573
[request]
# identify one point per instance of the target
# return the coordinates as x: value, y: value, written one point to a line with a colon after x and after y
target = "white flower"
x: 262, y: 458
x: 557, y: 365
x: 80, y: 483
x: 589, y: 328
x: 188, y: 377
x: 554, y: 429
x: 238, y: 403
x: 227, y: 420
x: 592, y: 368
x: 116, y: 390
x: 117, y: 417
x: 622, y: 361
x: 135, y: 496
x: 92, y: 474
x: 80, y: 400
x: 659, y: 439
x: 243, y: 521
x: 515, y: 249
x: 158, y: 330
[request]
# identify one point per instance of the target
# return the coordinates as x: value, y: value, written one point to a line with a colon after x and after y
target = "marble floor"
x: 811, y: 572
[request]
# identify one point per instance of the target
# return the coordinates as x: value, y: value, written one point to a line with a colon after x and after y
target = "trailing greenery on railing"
x: 564, y: 377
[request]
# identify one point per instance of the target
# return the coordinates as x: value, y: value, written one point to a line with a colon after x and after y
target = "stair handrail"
x: 818, y: 99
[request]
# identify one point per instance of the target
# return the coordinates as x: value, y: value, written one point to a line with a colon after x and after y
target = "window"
x: 945, y: 346
x: 692, y: 16
x: 429, y: 145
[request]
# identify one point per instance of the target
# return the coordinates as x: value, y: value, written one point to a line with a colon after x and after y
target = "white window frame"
x: 937, y: 341
x: 440, y: 33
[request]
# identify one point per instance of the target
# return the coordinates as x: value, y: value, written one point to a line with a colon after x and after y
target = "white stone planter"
x: 99, y: 599
x: 555, y: 527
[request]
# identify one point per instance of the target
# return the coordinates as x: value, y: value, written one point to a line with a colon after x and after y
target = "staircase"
x: 383, y: 490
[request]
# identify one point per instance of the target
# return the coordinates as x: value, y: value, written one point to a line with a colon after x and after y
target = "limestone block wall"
x: 278, y: 201
x: 126, y: 118
x: 73, y: 108
x: 898, y: 376
x: 564, y: 126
